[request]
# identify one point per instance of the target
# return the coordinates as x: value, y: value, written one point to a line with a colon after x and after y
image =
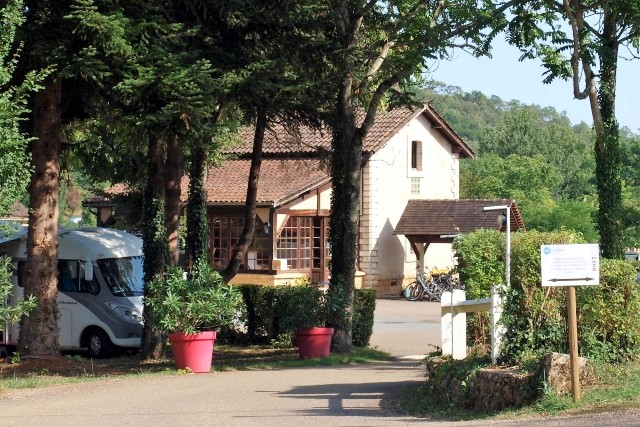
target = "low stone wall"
x: 496, y: 389
x: 488, y: 389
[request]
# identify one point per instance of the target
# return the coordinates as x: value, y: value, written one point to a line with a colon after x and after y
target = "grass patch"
x: 228, y: 358
x: 45, y: 371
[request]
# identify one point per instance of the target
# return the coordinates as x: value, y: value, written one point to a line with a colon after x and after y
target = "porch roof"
x: 281, y: 180
x: 279, y: 140
x: 438, y: 221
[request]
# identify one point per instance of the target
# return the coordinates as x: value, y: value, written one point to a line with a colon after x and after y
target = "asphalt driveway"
x: 361, y: 395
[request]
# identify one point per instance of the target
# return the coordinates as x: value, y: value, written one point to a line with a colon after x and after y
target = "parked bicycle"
x: 431, y: 284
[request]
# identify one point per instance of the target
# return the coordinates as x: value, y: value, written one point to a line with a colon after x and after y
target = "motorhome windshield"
x: 123, y: 276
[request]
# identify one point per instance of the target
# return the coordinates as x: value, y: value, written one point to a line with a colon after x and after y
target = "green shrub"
x: 271, y: 313
x: 480, y: 266
x: 363, y: 310
x: 191, y: 304
x: 11, y: 314
x: 536, y: 317
x: 609, y: 314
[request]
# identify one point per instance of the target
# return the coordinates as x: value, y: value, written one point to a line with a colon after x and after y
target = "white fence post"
x: 453, y: 321
x: 497, y: 330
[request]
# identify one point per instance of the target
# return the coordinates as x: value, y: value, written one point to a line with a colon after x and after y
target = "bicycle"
x: 425, y: 284
x: 449, y: 280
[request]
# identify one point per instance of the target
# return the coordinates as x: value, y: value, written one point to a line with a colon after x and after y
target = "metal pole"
x: 507, y: 268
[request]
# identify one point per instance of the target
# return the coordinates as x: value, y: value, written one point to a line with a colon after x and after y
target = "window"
x: 303, y: 243
x: 225, y: 234
x: 71, y: 278
x: 123, y: 276
x: 416, y: 155
x: 294, y: 243
x: 415, y: 186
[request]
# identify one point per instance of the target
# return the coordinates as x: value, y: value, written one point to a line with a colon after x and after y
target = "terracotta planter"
x: 314, y: 342
x: 194, y: 351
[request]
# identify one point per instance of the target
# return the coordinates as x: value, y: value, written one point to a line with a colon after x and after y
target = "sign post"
x: 571, y: 265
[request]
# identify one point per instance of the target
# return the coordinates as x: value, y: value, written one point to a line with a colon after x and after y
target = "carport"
x: 427, y: 221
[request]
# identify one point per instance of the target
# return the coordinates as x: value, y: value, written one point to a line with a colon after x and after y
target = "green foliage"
x: 364, y: 306
x: 449, y: 381
x: 23, y: 307
x: 197, y: 242
x: 14, y: 160
x: 531, y: 179
x: 532, y: 133
x: 480, y: 266
x: 301, y: 307
x: 535, y: 317
x: 480, y: 261
x: 273, y: 312
x: 609, y: 314
x: 192, y: 304
x: 598, y: 31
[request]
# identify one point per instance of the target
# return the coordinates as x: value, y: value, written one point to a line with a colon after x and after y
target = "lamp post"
x: 496, y: 301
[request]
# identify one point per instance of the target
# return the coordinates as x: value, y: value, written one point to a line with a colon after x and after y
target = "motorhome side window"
x: 71, y: 278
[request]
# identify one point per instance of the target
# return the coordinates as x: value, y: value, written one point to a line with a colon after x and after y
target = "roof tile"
x: 447, y: 217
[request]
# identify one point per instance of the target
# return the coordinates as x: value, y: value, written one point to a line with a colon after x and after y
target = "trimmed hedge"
x: 265, y: 320
x: 535, y: 317
x: 363, y: 309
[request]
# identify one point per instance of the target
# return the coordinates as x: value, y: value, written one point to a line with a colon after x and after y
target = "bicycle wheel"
x: 434, y: 290
x: 412, y: 292
x: 445, y: 283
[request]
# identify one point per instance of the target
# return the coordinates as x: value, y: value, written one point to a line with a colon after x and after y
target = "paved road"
x: 332, y: 396
x: 403, y: 328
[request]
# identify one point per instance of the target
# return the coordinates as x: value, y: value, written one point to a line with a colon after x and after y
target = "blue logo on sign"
x: 547, y: 250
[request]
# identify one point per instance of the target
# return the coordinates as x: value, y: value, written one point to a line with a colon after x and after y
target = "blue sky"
x: 507, y: 78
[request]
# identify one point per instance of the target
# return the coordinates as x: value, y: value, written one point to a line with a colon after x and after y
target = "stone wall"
x: 488, y: 389
x: 493, y: 389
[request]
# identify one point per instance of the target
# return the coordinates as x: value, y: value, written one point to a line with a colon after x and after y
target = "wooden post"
x: 573, y: 343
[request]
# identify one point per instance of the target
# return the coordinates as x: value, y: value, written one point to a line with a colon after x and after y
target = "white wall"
x: 387, y: 186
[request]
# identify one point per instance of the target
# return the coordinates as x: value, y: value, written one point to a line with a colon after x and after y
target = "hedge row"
x: 264, y: 316
x: 535, y: 317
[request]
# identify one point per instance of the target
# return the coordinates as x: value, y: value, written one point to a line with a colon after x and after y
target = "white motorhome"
x: 100, y: 289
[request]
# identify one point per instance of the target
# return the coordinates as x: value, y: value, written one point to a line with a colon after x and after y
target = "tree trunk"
x: 237, y: 256
x: 197, y: 232
x: 344, y: 223
x: 173, y: 179
x: 154, y: 240
x: 39, y: 331
x: 346, y: 161
x: 607, y: 148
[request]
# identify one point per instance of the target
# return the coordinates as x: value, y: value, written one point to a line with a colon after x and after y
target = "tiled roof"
x: 280, y: 140
x: 280, y: 180
x: 427, y: 220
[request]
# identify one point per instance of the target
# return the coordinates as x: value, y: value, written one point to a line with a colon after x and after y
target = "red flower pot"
x: 314, y: 342
x: 193, y: 351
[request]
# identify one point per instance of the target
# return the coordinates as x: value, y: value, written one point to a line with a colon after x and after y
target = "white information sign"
x: 570, y: 265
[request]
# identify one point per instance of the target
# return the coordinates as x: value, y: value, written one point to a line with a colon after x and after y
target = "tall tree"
x: 169, y: 91
x: 381, y: 46
x: 282, y: 80
x: 52, y: 40
x: 599, y: 29
x: 527, y: 131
